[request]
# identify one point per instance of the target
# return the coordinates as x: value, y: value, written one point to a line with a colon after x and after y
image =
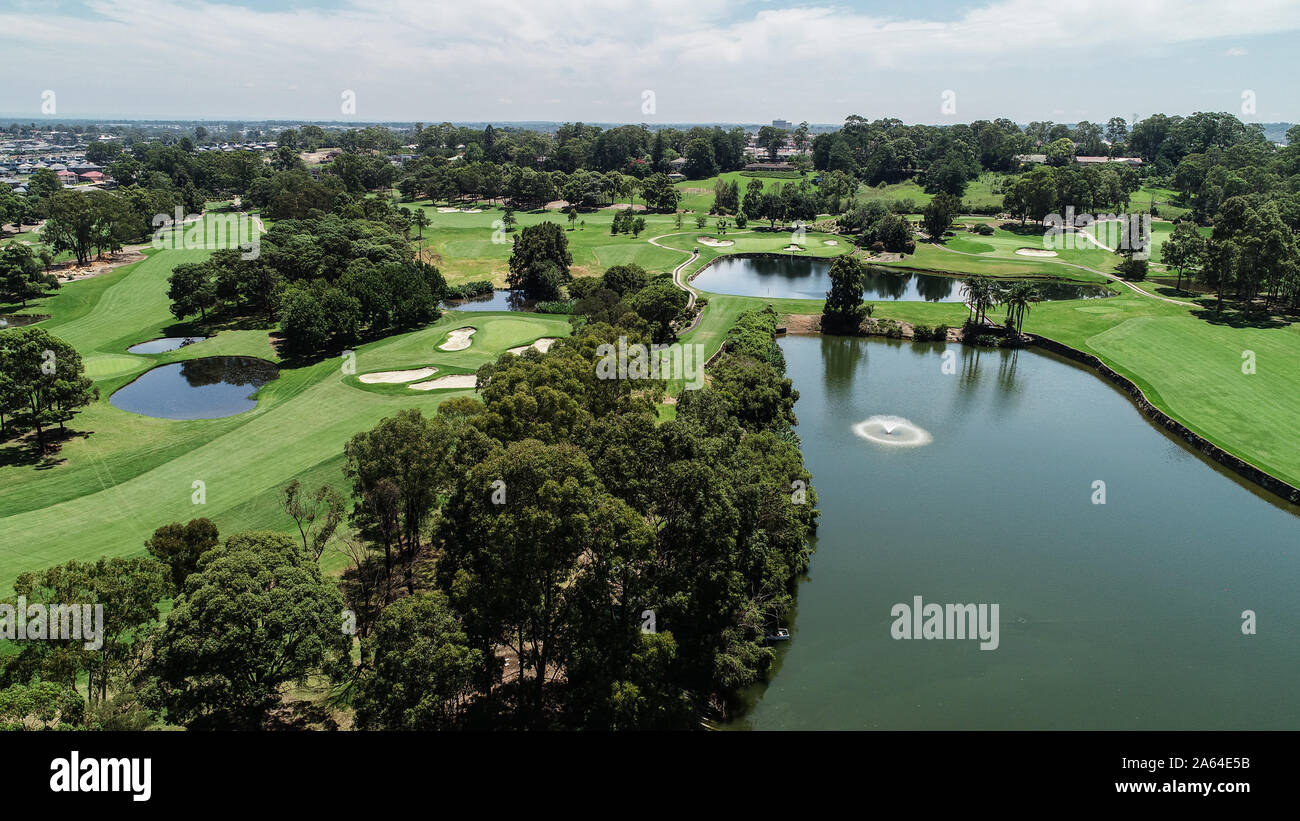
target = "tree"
x: 659, y: 304
x: 509, y: 220
x: 700, y: 162
x: 421, y: 221
x: 422, y: 673
x: 21, y: 273
x: 47, y: 382
x: 638, y: 225
x: 939, y: 213
x: 625, y: 279
x: 1184, y: 250
x: 317, y: 515
x: 192, y: 289
x: 540, y: 260
x: 255, y: 616
x: 180, y: 546
x: 772, y: 139
x: 71, y: 224
x: 1019, y: 299
x: 843, y: 309
x: 1059, y: 152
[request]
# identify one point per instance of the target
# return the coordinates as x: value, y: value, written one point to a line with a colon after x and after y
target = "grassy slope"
x: 134, y: 473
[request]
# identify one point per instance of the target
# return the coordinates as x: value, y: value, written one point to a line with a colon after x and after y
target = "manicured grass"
x: 471, y: 247
x: 133, y: 473
x: 1192, y: 370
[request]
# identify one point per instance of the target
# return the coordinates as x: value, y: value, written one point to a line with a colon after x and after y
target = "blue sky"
x: 704, y: 60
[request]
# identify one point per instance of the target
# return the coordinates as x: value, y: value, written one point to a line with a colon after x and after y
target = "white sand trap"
x: 792, y: 248
x: 829, y: 242
x: 462, y: 380
x: 458, y: 340
x: 448, y: 210
x: 396, y: 377
x: 460, y: 210
x: 715, y: 243
x: 544, y: 344
x: 1035, y: 252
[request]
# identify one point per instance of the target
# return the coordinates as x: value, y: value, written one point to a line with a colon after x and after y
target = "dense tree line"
x: 329, y: 280
x: 628, y: 570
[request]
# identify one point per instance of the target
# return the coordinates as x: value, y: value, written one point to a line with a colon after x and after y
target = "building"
x: 784, y: 125
x: 1089, y: 160
x: 769, y: 166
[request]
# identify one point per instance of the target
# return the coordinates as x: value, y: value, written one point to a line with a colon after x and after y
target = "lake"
x: 499, y: 300
x: 1122, y: 615
x: 19, y: 320
x: 206, y: 388
x: 809, y: 278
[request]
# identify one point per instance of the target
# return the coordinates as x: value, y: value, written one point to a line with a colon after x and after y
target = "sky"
x: 668, y: 61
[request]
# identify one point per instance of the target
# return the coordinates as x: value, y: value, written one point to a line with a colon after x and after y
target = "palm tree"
x: 981, y: 294
x: 1019, y: 299
x: 421, y: 220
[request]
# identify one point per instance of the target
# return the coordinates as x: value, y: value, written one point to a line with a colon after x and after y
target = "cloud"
x: 706, y: 59
x: 1235, y: 52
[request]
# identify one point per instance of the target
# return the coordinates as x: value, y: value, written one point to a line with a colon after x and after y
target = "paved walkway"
x: 692, y: 256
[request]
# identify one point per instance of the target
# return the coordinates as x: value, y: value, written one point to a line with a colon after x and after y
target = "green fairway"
x: 473, y: 246
x: 131, y: 474
x: 125, y: 474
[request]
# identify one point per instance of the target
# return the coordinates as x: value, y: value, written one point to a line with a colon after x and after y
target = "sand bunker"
x: 460, y: 210
x: 458, y: 340
x: 1035, y: 252
x: 829, y: 242
x: 792, y: 248
x: 396, y: 377
x: 464, y: 380
x: 544, y: 344
x: 716, y: 243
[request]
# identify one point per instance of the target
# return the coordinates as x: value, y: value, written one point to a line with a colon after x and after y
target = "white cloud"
x: 1235, y: 52
x: 413, y: 59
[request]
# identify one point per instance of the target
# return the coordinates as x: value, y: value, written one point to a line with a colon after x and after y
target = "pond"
x: 164, y: 344
x: 809, y: 278
x: 499, y: 300
x: 1122, y: 615
x: 19, y: 320
x: 206, y: 388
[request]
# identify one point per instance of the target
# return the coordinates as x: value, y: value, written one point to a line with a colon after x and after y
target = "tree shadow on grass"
x: 22, y: 450
x: 1234, y: 317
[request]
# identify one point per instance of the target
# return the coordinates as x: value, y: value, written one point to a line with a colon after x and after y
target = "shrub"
x: 984, y: 229
x: 556, y: 306
x: 922, y: 333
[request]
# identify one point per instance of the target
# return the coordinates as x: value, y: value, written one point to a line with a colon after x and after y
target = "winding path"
x: 677, y: 280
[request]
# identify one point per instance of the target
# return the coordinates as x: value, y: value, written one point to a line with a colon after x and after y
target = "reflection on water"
x: 206, y: 388
x: 499, y: 300
x: 809, y: 278
x: 1125, y: 615
x: 19, y: 320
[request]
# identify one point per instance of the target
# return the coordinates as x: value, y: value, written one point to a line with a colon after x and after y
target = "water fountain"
x: 892, y: 430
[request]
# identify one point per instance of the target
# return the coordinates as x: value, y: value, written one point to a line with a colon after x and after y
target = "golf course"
x: 122, y: 474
